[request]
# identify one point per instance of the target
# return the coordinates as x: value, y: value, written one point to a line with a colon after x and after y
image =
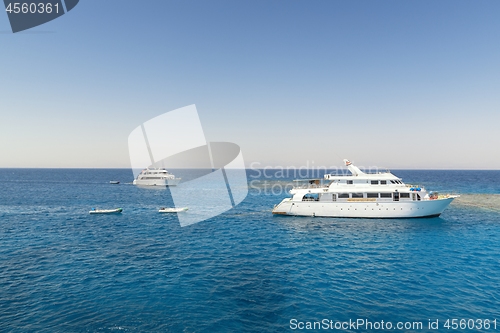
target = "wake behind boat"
x: 172, y: 210
x: 106, y: 211
x: 156, y: 177
x: 377, y: 195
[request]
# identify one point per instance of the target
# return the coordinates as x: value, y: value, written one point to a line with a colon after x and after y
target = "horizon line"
x: 247, y: 168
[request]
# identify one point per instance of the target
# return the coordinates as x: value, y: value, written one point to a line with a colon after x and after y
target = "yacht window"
x: 383, y: 182
x: 311, y: 197
x: 334, y: 197
x: 356, y: 195
x: 325, y: 197
x: 374, y: 182
x: 392, y: 181
x: 404, y: 195
x: 372, y: 195
x: 349, y: 182
x: 343, y: 195
x: 386, y: 195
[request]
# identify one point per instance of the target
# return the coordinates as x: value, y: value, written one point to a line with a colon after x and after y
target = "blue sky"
x: 398, y: 84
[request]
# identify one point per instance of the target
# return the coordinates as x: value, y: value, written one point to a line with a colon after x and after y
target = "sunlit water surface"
x: 63, y: 270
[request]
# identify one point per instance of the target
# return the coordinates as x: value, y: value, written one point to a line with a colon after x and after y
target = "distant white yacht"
x: 156, y: 177
x: 364, y: 195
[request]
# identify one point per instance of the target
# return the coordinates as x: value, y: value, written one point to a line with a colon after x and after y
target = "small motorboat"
x: 106, y: 211
x: 114, y: 182
x: 172, y: 210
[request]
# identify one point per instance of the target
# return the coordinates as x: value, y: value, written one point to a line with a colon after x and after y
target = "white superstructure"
x: 156, y: 177
x: 366, y: 195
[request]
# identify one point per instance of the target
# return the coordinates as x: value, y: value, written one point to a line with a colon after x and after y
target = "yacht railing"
x: 347, y: 173
x: 310, y: 183
x: 305, y: 186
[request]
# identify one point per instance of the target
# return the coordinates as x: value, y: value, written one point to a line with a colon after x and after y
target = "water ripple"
x: 62, y: 270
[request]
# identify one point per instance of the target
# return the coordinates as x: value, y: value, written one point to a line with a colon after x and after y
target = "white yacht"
x: 156, y: 177
x: 364, y: 195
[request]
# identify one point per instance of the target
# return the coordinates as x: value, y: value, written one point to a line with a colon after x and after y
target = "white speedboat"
x: 364, y: 195
x: 156, y: 177
x: 106, y: 211
x: 172, y: 210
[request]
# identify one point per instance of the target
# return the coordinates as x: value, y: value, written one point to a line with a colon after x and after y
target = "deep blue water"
x: 63, y: 270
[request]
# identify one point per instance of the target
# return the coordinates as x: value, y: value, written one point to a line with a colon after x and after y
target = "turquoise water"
x: 63, y: 270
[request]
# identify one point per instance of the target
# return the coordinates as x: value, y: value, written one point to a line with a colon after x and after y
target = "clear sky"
x: 399, y: 84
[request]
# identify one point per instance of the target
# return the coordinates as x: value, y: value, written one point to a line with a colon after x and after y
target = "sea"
x: 246, y: 270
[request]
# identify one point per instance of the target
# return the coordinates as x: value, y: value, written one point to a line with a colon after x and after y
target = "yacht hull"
x: 157, y: 182
x: 410, y: 209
